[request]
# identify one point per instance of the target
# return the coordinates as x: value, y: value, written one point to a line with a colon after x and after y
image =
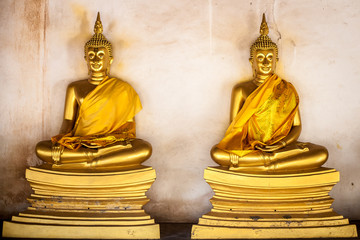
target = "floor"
x: 180, y: 231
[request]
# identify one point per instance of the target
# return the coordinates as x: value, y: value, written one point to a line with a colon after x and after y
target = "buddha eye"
x: 260, y: 58
x: 100, y: 55
x: 270, y: 58
x: 91, y: 55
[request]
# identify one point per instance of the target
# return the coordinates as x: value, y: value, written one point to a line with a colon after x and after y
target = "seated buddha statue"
x: 265, y: 120
x: 98, y: 130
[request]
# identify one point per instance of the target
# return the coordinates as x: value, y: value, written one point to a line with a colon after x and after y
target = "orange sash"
x: 265, y: 118
x: 104, y: 116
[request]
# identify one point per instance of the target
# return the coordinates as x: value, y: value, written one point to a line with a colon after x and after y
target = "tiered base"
x: 74, y: 205
x: 272, y: 206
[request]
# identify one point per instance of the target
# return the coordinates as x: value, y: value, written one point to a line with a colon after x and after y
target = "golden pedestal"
x: 274, y: 205
x: 74, y: 205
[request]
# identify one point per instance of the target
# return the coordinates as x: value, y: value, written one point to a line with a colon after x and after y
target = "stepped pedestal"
x: 274, y: 205
x: 75, y: 205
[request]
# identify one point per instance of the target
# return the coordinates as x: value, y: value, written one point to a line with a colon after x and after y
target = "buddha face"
x: 98, y: 60
x: 264, y: 62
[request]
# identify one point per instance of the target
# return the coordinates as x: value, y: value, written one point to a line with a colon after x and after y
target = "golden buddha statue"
x: 276, y: 187
x: 265, y: 120
x: 92, y: 184
x: 98, y: 129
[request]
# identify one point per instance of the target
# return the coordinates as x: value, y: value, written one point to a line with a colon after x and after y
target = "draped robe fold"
x: 265, y: 118
x: 104, y: 117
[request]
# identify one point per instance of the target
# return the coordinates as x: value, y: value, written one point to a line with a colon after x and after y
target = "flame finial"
x: 263, y: 41
x: 98, y: 39
x: 98, y: 28
x: 264, y: 29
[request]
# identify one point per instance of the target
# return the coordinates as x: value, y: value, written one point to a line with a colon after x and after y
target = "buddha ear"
x: 251, y: 60
x: 111, y: 60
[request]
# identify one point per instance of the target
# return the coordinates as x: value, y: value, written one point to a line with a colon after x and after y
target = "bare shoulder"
x: 79, y: 83
x: 81, y: 88
x: 244, y: 88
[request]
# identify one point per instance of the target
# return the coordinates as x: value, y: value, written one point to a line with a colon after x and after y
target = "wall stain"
x: 44, y: 69
x: 25, y: 36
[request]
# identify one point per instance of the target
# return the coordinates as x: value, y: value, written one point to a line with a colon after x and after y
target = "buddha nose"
x: 96, y: 59
x: 266, y: 62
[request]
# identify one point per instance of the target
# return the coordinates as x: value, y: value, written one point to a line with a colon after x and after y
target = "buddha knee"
x: 214, y: 153
x: 39, y: 149
x: 323, y: 154
x: 147, y: 150
x: 320, y: 154
x: 143, y: 148
x: 43, y: 150
x: 220, y: 157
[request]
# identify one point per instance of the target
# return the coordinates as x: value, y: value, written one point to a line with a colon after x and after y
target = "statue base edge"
x: 86, y: 205
x: 24, y: 230
x: 272, y: 206
x: 214, y: 232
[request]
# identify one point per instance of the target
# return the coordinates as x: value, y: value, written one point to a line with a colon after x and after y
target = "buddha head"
x: 263, y: 53
x: 98, y: 51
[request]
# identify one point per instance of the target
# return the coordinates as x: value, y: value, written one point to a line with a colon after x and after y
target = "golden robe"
x: 104, y: 116
x: 265, y: 118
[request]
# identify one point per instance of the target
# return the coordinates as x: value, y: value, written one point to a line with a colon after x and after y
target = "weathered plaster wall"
x: 183, y: 57
x: 22, y: 103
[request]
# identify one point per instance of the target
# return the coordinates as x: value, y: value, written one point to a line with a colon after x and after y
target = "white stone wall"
x: 182, y: 57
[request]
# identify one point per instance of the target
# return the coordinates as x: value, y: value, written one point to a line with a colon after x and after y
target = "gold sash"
x: 265, y: 118
x: 104, y: 116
